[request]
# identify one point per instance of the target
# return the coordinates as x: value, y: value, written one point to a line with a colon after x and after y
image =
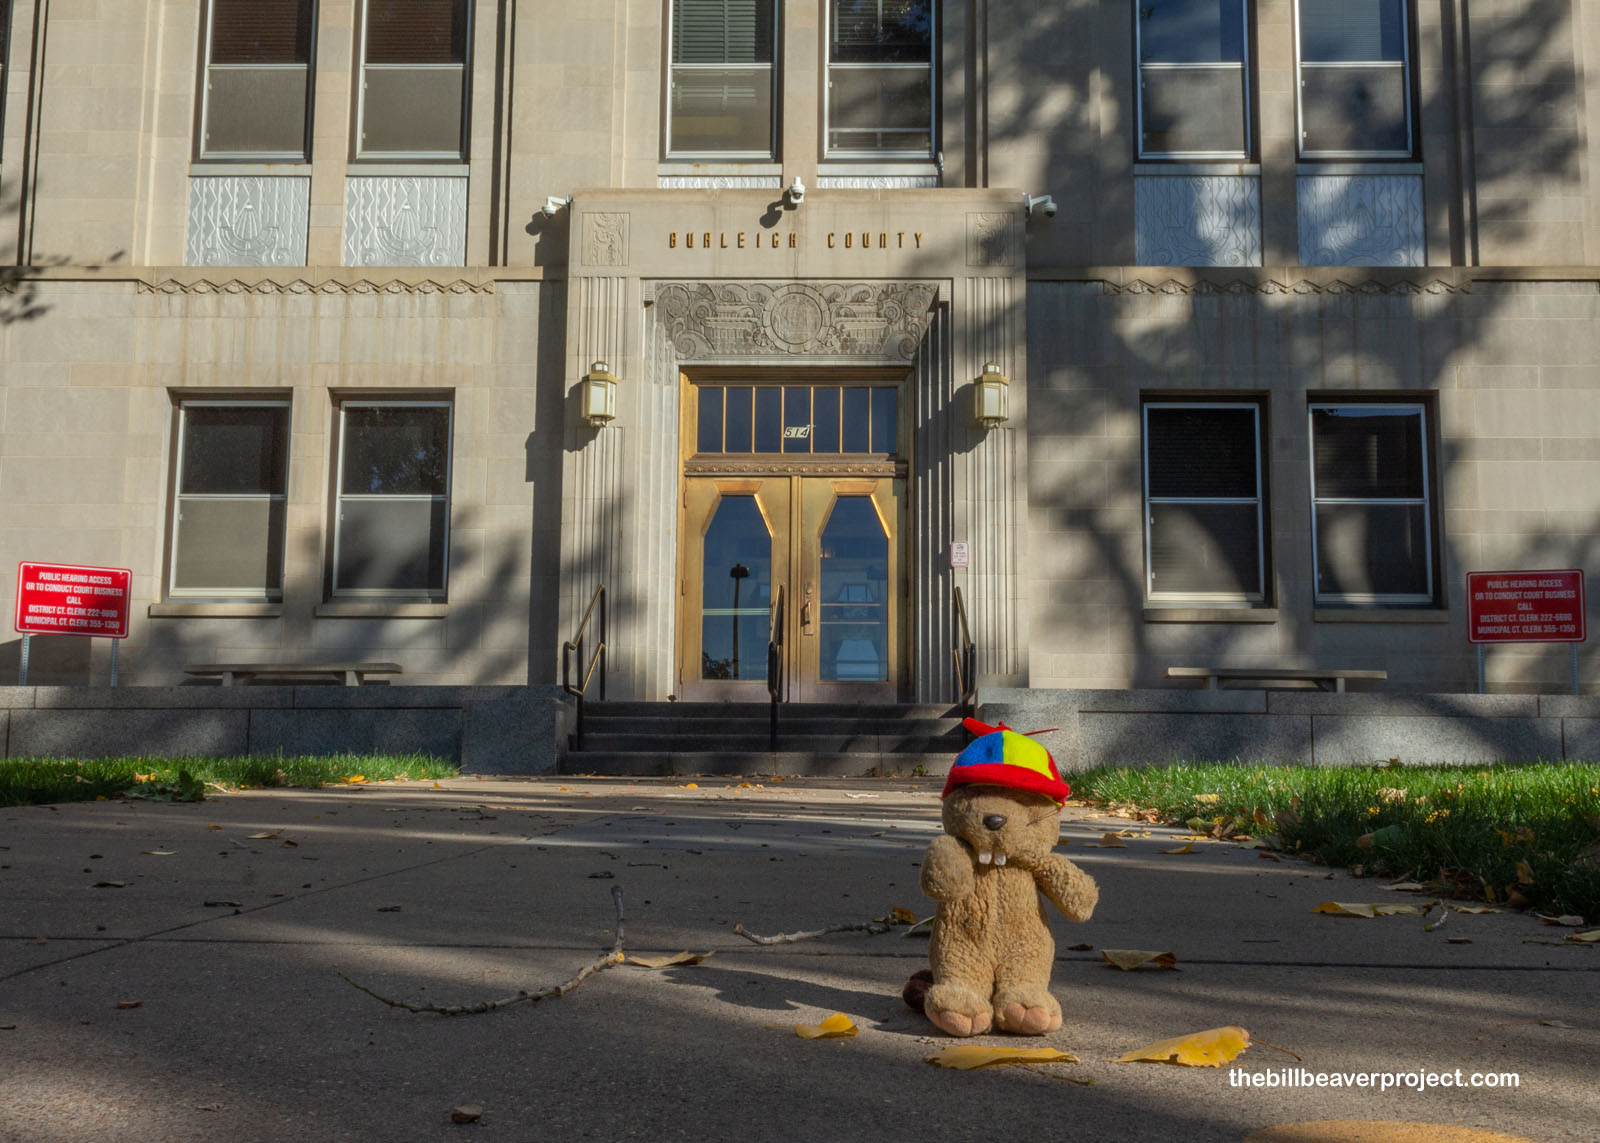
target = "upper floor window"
x: 880, y: 78
x: 1371, y: 507
x: 721, y: 78
x: 256, y: 102
x: 1355, y: 82
x: 392, y: 510
x: 413, y: 100
x: 1205, y: 525
x: 227, y: 530
x: 1194, y: 87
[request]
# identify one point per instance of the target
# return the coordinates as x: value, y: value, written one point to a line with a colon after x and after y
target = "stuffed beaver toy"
x: 992, y: 951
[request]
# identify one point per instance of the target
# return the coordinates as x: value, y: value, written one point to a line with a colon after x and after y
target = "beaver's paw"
x: 1027, y: 1011
x: 958, y: 1010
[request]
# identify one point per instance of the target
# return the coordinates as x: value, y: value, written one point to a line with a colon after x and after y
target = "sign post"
x: 1526, y: 607
x: 71, y: 599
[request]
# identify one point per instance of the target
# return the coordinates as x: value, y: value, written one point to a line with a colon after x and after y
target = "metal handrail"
x: 966, y: 658
x: 775, y: 666
x: 597, y: 660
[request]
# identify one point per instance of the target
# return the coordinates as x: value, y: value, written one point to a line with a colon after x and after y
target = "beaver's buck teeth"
x: 999, y: 859
x: 984, y: 857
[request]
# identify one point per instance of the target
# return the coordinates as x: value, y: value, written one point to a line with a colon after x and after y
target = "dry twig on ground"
x: 614, y: 957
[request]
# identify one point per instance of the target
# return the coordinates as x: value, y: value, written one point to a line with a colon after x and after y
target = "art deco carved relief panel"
x: 248, y: 221
x: 405, y: 221
x: 884, y: 320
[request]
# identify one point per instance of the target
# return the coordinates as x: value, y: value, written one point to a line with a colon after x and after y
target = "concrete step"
x: 754, y: 764
x: 843, y: 742
x: 928, y: 727
x: 786, y: 711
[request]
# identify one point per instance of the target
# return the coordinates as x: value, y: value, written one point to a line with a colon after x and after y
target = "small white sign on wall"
x: 960, y: 556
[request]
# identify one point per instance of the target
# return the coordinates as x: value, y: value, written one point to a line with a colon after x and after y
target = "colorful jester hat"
x: 999, y: 756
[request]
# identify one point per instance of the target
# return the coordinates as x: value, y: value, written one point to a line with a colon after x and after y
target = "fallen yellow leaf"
x: 666, y: 961
x: 1474, y: 909
x: 1588, y: 938
x: 1186, y: 847
x: 1524, y: 873
x: 1346, y: 909
x: 1129, y: 959
x: 902, y: 916
x: 1112, y: 841
x: 353, y: 778
x: 1207, y: 799
x: 835, y: 1027
x: 261, y: 836
x: 159, y: 852
x: 1209, y: 1049
x: 968, y: 1056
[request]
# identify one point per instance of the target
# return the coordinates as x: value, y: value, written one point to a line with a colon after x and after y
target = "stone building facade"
x: 1294, y: 301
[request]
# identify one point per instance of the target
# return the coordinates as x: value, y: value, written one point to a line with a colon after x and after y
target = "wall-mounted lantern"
x: 991, y: 405
x: 599, y: 395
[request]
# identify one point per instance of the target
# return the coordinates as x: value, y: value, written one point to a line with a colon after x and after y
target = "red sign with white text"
x: 69, y: 599
x: 1526, y: 607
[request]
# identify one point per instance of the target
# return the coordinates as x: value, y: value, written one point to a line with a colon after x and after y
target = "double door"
x: 833, y: 545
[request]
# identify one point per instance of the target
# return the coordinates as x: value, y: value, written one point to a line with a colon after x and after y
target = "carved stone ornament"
x: 825, y: 465
x: 1238, y: 288
x: 323, y: 286
x: 605, y: 240
x: 745, y: 319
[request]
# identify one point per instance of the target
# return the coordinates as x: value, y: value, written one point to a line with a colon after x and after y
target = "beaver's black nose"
x: 994, y: 821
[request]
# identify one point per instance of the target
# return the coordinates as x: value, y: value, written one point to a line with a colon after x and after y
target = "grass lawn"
x: 35, y: 781
x: 1505, y: 833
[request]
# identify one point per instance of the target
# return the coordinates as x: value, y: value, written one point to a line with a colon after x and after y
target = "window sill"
x: 420, y: 168
x: 173, y: 609
x: 1357, y: 167
x: 1380, y: 615
x: 381, y: 609
x: 1210, y: 614
x: 1191, y: 167
x: 239, y: 168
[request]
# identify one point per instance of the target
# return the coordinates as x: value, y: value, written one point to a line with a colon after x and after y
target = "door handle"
x: 805, y: 614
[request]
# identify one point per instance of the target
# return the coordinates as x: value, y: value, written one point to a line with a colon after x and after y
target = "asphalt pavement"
x: 173, y: 972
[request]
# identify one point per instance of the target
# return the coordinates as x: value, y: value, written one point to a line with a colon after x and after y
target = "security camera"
x: 553, y: 204
x: 1042, y: 203
x: 796, y: 192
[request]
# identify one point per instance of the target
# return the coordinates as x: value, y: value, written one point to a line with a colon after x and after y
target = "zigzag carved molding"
x: 1237, y: 288
x: 328, y: 286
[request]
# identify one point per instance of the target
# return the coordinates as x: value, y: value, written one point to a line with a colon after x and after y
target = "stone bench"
x: 350, y: 674
x: 1276, y: 678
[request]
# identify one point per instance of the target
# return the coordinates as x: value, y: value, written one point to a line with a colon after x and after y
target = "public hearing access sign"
x: 70, y: 599
x: 1526, y: 607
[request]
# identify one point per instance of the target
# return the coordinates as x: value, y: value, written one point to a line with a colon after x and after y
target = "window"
x: 1194, y: 88
x: 721, y: 78
x: 414, y: 79
x: 880, y: 78
x: 256, y: 101
x: 1355, y: 86
x: 1371, y: 515
x: 1204, y: 538
x: 392, y: 518
x: 228, y: 519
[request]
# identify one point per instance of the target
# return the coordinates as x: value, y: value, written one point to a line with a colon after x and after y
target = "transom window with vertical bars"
x: 1355, y: 78
x: 1205, y: 539
x: 414, y: 56
x: 1194, y: 82
x: 880, y: 97
x: 255, y: 98
x: 721, y: 79
x: 815, y: 420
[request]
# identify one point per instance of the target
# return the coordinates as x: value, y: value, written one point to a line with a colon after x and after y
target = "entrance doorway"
x: 827, y: 531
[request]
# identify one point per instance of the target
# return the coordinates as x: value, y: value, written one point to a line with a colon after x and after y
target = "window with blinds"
x: 1371, y: 508
x: 1194, y: 87
x: 227, y: 531
x: 721, y: 79
x: 1355, y: 78
x: 391, y: 532
x: 1204, y: 525
x: 414, y: 79
x: 257, y: 80
x: 880, y: 79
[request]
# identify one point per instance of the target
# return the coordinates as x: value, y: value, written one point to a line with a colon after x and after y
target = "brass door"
x: 834, y: 545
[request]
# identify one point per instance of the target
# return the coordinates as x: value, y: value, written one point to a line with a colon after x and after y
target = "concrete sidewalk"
x: 232, y: 945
